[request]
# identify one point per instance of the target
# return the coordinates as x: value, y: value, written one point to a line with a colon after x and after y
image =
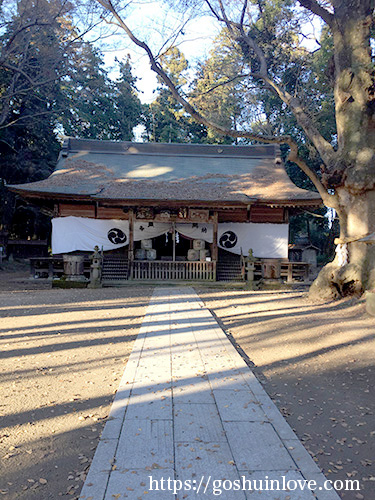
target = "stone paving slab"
x: 194, y: 460
x: 238, y: 405
x: 197, y: 422
x: 135, y: 484
x: 145, y: 443
x: 190, y: 419
x: 193, y: 390
x: 256, y: 446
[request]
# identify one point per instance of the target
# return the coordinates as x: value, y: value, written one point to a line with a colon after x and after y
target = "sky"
x: 151, y: 21
x: 195, y: 44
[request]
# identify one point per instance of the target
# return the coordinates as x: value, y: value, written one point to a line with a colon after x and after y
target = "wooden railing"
x: 48, y: 267
x: 295, y: 271
x: 288, y: 271
x: 52, y: 267
x: 173, y: 270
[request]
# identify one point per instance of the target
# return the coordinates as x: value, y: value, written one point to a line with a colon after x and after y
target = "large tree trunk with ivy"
x: 347, y: 183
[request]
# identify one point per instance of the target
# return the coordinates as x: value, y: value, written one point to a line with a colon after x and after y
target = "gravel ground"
x: 317, y: 363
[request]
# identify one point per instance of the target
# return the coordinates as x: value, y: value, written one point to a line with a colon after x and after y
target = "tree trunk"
x: 357, y: 219
x: 352, y: 174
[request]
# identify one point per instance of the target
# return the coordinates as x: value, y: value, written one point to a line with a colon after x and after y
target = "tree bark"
x: 357, y: 220
x: 352, y: 174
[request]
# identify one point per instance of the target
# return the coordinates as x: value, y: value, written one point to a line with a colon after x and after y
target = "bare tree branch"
x: 171, y: 41
x: 244, y: 7
x: 229, y: 80
x: 21, y: 29
x: 225, y: 18
x: 209, y: 5
x: 314, y: 7
x: 324, y: 148
x: 16, y: 69
x: 328, y: 199
x: 25, y: 117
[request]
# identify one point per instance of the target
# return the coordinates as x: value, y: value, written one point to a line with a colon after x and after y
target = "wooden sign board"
x: 199, y: 215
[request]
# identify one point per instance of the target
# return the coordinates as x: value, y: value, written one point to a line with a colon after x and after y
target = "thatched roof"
x: 154, y: 171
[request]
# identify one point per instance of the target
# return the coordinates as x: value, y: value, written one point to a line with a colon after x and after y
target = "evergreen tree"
x: 34, y: 49
x: 127, y: 104
x: 215, y: 90
x: 89, y: 95
x: 165, y: 119
x: 97, y: 107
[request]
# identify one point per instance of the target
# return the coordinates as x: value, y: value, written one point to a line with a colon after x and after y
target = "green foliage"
x: 96, y: 107
x: 165, y: 119
x: 50, y: 79
x: 127, y: 104
x: 216, y: 90
x: 88, y: 112
x: 33, y: 47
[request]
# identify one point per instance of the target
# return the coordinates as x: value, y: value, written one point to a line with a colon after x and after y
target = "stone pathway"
x: 191, y: 421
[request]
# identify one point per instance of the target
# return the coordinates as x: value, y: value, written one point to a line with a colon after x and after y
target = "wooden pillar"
x: 306, y: 277
x: 32, y: 268
x: 214, y: 243
x: 174, y: 240
x: 131, y: 242
x: 50, y: 268
x: 290, y: 273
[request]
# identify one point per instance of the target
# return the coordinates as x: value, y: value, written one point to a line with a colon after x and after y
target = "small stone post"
x: 250, y: 268
x: 96, y: 269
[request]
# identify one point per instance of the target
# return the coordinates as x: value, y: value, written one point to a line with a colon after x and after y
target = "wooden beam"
x: 174, y: 240
x: 131, y: 242
x: 286, y: 215
x: 215, y: 252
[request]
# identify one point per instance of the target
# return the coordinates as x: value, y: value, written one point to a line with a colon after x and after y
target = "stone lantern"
x: 96, y: 269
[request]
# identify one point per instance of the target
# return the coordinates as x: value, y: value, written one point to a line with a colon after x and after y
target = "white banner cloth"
x: 80, y: 233
x: 266, y: 240
x: 148, y: 230
x: 196, y: 231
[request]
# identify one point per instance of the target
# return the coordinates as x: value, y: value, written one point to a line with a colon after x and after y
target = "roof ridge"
x: 72, y: 144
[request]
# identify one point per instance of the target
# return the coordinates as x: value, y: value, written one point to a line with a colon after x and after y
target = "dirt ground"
x: 317, y: 364
x: 64, y: 351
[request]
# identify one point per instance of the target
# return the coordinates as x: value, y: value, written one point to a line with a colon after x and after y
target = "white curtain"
x: 80, y: 233
x: 148, y: 230
x: 266, y: 240
x: 196, y: 231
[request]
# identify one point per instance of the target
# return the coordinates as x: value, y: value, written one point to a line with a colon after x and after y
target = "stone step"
x: 115, y: 268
